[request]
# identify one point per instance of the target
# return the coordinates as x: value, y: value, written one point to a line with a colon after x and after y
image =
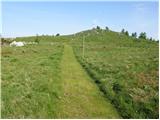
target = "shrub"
x: 57, y: 34
x: 98, y: 28
x: 134, y: 35
x: 123, y: 31
x: 126, y: 33
x: 107, y: 29
x: 36, y: 39
x: 116, y: 87
x: 143, y: 35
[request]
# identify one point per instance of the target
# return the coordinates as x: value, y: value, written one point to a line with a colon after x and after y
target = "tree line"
x: 142, y: 35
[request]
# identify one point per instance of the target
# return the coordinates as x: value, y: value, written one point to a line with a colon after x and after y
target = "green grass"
x: 30, y: 81
x: 81, y: 97
x: 46, y: 80
x: 125, y: 69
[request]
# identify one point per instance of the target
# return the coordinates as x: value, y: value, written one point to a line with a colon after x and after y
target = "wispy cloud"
x: 140, y: 7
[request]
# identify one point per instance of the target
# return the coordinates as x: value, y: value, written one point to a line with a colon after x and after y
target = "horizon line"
x: 1, y: 36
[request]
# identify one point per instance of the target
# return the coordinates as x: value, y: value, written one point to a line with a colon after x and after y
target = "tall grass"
x: 125, y: 69
x: 30, y: 81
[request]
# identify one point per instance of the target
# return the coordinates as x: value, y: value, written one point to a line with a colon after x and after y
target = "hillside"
x: 59, y: 77
x: 124, y: 68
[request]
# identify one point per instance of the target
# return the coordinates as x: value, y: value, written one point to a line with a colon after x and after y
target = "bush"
x: 116, y: 87
x: 37, y: 39
x: 98, y: 28
x: 107, y: 29
x: 134, y: 35
x: 57, y: 34
x: 142, y: 35
x: 123, y: 31
x: 126, y: 33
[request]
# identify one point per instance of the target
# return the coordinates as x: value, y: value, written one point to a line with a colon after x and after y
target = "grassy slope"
x: 34, y: 86
x: 125, y: 69
x: 30, y: 81
x: 81, y: 98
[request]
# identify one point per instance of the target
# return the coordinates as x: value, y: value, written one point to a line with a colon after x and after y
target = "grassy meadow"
x: 124, y: 68
x: 117, y: 77
x: 30, y: 81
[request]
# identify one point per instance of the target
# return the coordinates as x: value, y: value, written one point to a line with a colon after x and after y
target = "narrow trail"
x: 81, y: 97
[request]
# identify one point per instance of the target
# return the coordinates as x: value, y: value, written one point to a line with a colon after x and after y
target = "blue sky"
x: 31, y: 18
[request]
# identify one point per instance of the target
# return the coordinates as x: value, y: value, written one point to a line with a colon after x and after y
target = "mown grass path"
x: 81, y: 98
